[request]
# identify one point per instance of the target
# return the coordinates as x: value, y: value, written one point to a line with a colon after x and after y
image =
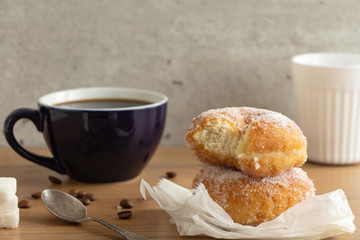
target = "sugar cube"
x: 9, y: 211
x: 7, y: 188
x: 9, y: 206
x: 10, y: 219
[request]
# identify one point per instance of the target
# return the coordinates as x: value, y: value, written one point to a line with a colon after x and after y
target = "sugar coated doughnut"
x: 258, y: 142
x: 251, y: 201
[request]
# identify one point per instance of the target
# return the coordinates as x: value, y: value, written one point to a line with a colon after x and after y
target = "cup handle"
x: 37, y: 119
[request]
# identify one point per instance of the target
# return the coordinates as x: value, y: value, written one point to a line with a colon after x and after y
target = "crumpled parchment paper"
x: 195, y: 213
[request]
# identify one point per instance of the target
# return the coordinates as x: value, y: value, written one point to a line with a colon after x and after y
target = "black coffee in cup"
x: 103, y: 103
x: 95, y: 134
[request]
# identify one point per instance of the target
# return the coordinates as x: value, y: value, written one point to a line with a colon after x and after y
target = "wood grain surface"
x: 148, y: 220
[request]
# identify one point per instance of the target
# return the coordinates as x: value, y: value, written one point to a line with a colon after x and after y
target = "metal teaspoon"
x: 70, y: 209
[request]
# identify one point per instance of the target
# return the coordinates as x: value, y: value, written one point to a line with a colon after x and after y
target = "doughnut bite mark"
x: 251, y: 201
x: 258, y: 142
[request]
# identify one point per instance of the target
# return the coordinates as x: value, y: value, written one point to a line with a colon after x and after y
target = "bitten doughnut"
x: 258, y: 142
x: 251, y: 201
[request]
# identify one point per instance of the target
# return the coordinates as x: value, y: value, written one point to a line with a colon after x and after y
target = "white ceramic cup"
x: 327, y: 97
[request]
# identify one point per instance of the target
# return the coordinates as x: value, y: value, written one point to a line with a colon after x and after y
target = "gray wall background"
x: 201, y: 53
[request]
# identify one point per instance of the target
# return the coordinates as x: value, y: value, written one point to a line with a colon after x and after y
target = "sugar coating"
x: 7, y: 188
x: 221, y: 175
x: 258, y: 142
x: 257, y: 164
x: 10, y: 219
x: 250, y: 200
x: 245, y: 118
x: 247, y: 115
x: 9, y: 206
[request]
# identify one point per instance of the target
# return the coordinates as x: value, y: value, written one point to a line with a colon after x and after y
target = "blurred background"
x: 201, y: 53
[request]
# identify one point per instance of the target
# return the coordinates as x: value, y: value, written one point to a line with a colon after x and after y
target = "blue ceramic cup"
x: 95, y: 135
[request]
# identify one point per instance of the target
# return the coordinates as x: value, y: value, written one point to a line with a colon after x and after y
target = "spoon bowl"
x: 70, y: 209
x: 64, y: 206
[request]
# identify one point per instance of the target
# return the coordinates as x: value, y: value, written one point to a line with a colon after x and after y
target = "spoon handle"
x: 127, y: 234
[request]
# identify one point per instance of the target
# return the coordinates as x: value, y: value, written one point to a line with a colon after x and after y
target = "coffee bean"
x: 36, y: 195
x: 24, y: 204
x: 125, y: 203
x: 85, y: 201
x: 90, y: 196
x: 81, y: 194
x: 170, y: 174
x: 55, y: 180
x: 125, y: 214
x: 74, y: 192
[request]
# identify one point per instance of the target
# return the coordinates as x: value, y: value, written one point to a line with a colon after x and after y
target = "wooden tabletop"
x: 148, y: 220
